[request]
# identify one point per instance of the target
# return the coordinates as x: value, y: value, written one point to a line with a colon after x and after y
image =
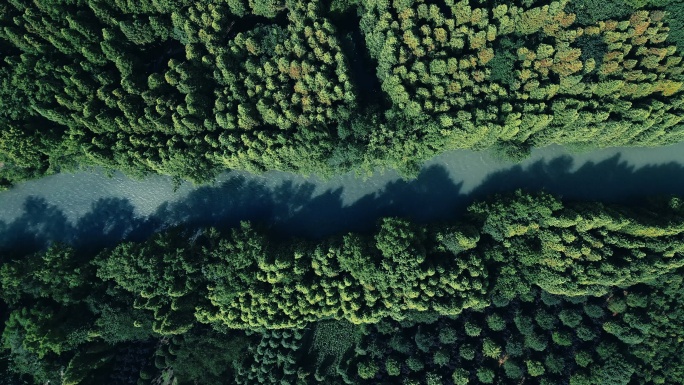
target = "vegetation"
x: 189, y: 89
x: 519, y: 289
x: 522, y: 286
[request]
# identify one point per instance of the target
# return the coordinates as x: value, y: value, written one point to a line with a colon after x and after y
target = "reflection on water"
x: 90, y: 209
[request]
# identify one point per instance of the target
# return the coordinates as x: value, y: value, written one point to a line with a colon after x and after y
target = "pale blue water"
x: 91, y: 209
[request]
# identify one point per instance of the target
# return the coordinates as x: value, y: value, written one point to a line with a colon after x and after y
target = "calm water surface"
x: 92, y: 208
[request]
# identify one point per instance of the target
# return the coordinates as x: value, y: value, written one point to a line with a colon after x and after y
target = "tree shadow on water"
x: 431, y: 196
x: 39, y: 224
x: 297, y: 209
x: 610, y: 180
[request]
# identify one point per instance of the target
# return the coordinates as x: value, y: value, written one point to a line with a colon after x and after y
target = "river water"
x: 89, y: 208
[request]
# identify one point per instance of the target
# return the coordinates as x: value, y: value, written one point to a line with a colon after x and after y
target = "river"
x: 90, y: 209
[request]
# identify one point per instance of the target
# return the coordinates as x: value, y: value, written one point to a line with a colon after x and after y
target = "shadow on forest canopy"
x: 292, y: 209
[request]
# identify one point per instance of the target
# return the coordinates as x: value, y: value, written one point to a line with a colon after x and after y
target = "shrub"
x: 554, y: 364
x: 545, y: 320
x: 585, y: 334
x: 441, y: 358
x: 535, y: 368
x: 466, y: 352
x: 392, y: 367
x: 514, y: 348
x: 562, y: 338
x: 490, y: 349
x: 460, y: 377
x: 433, y: 379
x: 485, y: 375
x: 617, y: 305
x: 447, y: 336
x: 472, y: 330
x: 414, y: 364
x: 367, y: 370
x: 570, y: 318
x: 496, y: 322
x: 536, y: 342
x: 512, y: 370
x: 583, y: 358
x: 593, y: 311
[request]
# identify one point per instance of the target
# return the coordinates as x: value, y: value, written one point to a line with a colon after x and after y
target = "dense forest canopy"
x: 190, y: 88
x: 520, y: 287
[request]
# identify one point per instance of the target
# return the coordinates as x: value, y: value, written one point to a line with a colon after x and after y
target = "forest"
x: 192, y: 88
x: 520, y: 288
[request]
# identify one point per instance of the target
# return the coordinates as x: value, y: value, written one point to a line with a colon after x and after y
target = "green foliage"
x: 163, y: 277
x: 594, y: 293
x: 570, y: 318
x: 467, y: 352
x: 189, y: 89
x: 414, y: 364
x: 496, y: 322
x: 441, y: 358
x: 367, y: 370
x: 490, y: 349
x: 205, y: 356
x: 447, y: 336
x: 460, y: 377
x: 486, y: 376
x: 512, y: 370
x: 535, y: 368
x: 332, y: 339
x: 34, y: 277
x: 591, y: 11
x: 522, y: 74
x: 176, y: 81
x: 472, y: 329
x: 392, y: 367
x: 504, y: 61
x: 272, y: 357
x: 592, y: 47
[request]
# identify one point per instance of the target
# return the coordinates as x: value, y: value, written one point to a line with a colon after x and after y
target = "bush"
x: 466, y: 352
x: 367, y: 370
x: 447, y: 336
x: 414, y: 364
x: 617, y: 305
x: 512, y: 370
x: 594, y: 311
x: 485, y: 375
x: 583, y: 358
x: 433, y: 379
x: 536, y: 342
x: 554, y: 364
x: 392, y: 367
x: 490, y: 349
x: 472, y: 330
x: 400, y: 344
x: 562, y: 338
x: 441, y: 358
x: 514, y: 348
x: 550, y: 299
x: 590, y: 11
x: 585, y: 334
x: 570, y: 318
x: 545, y: 320
x: 524, y: 324
x: 424, y: 341
x: 460, y: 377
x: 535, y: 368
x: 496, y: 322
